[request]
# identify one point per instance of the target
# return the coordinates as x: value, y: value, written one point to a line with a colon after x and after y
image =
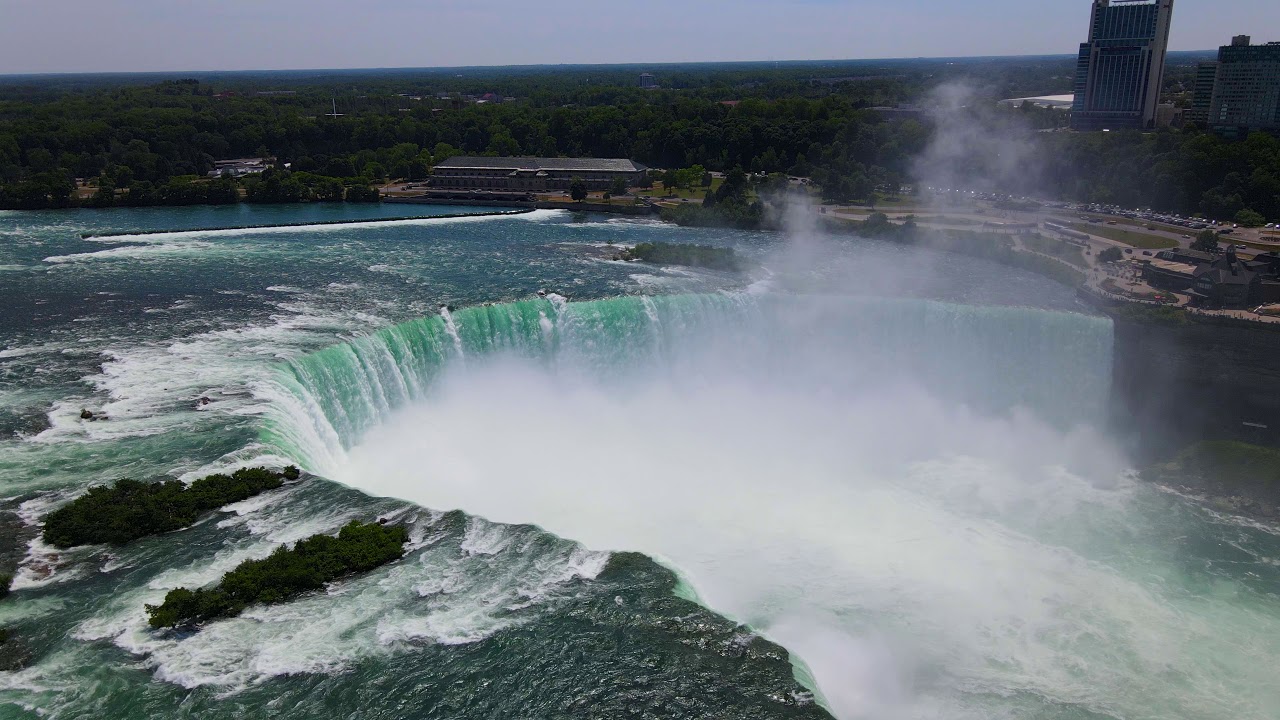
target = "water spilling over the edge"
x: 906, y: 494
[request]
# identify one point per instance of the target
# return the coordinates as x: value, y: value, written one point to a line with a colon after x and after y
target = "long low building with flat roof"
x: 534, y: 174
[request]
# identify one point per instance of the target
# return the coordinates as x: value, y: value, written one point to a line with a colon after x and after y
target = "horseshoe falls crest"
x: 908, y: 495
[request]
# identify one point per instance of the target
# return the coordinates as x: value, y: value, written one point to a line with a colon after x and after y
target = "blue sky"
x: 137, y: 35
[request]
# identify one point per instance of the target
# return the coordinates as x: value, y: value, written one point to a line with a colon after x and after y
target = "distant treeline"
x: 1188, y: 172
x: 155, y: 144
x: 142, y: 138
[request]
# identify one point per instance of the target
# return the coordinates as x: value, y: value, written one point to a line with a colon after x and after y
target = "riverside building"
x: 1119, y: 71
x: 525, y: 174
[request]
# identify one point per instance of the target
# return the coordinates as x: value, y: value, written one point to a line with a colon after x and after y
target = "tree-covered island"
x: 287, y: 573
x: 131, y: 509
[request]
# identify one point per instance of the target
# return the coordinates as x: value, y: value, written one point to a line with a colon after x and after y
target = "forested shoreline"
x: 131, y: 143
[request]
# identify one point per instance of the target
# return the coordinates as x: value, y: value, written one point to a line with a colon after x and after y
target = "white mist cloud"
x: 907, y: 547
x: 974, y: 147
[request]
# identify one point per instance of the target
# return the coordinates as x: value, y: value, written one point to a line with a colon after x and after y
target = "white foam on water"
x: 436, y: 595
x: 44, y: 565
x: 484, y: 538
x: 135, y: 252
x: 25, y: 351
x: 28, y: 608
x: 168, y: 238
x: 917, y: 556
x: 154, y: 388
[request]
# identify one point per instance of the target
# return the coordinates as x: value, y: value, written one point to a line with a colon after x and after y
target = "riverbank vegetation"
x: 735, y: 202
x: 288, y: 572
x: 705, y: 256
x: 130, y: 509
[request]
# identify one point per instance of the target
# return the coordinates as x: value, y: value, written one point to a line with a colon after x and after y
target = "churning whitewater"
x: 906, y: 494
x: 872, y: 478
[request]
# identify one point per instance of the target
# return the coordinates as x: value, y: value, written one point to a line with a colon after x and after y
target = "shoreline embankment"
x: 527, y: 204
x: 268, y: 226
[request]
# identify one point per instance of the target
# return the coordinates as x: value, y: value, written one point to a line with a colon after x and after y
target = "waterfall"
x: 912, y: 497
x: 992, y: 358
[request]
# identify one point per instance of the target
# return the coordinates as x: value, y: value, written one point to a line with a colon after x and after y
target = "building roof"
x: 1191, y: 257
x: 1172, y: 267
x: 1048, y: 101
x: 1226, y: 270
x: 512, y: 164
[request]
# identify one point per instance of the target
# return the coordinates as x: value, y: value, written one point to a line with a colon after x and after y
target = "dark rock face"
x: 1175, y: 385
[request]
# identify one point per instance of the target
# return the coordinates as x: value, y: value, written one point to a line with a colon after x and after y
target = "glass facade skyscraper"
x: 1120, y: 70
x: 1246, y: 89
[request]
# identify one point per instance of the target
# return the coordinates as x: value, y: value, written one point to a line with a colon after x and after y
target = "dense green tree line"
x: 130, y: 136
x: 131, y: 509
x: 286, y: 573
x: 144, y: 144
x: 1190, y: 171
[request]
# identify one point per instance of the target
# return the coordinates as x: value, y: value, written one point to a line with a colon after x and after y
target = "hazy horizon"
x: 180, y: 72
x: 150, y: 36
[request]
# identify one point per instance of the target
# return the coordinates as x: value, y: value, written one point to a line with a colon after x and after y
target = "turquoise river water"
x: 858, y: 481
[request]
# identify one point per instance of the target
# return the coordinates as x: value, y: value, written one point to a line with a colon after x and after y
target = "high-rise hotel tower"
x: 1120, y: 70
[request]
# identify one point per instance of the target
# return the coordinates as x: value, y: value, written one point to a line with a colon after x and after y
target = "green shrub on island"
x: 133, y: 509
x: 694, y: 255
x: 285, y: 574
x: 6, y: 581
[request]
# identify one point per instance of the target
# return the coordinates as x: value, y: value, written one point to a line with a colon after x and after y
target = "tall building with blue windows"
x: 1246, y: 88
x: 1120, y: 70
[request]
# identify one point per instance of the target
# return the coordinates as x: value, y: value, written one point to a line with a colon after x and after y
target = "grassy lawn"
x: 896, y: 203
x: 1128, y: 237
x: 1057, y: 248
x: 1142, y: 224
x: 697, y: 193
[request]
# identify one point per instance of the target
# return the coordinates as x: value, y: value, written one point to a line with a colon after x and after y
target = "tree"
x: 106, y: 194
x: 578, y: 190
x: 618, y: 187
x: 1206, y: 241
x: 670, y: 180
x: 1111, y: 255
x: 1249, y: 218
x: 875, y: 224
x: 360, y: 192
x: 734, y: 185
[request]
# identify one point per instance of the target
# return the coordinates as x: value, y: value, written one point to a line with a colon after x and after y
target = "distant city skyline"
x: 149, y: 35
